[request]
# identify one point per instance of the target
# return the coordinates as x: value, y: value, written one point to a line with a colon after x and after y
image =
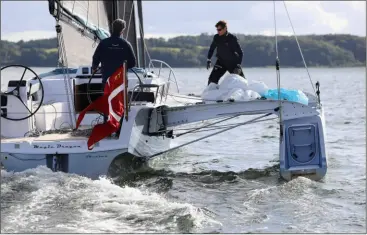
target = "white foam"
x: 76, y: 204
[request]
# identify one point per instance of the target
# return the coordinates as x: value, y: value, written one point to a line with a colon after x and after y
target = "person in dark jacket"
x: 112, y: 52
x: 229, y: 54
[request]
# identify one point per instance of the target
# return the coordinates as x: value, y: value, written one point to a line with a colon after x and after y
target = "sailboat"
x: 38, y: 115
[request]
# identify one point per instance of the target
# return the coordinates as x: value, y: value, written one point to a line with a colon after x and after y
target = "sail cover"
x: 84, y: 24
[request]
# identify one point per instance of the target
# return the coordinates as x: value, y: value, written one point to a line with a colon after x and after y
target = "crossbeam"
x: 175, y: 116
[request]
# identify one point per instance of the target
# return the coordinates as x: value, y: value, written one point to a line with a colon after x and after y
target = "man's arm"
x: 237, y: 48
x: 131, y: 59
x: 212, y: 48
x: 97, y: 57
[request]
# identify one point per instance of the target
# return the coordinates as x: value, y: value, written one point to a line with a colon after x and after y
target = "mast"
x: 141, y: 27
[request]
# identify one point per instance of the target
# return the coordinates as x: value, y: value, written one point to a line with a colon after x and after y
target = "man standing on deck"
x: 112, y: 52
x: 229, y: 54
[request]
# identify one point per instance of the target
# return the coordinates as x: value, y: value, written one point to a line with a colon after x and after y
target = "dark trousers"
x: 220, y: 69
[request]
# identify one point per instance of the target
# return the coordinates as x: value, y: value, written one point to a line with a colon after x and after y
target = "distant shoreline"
x: 319, y: 51
x: 265, y: 67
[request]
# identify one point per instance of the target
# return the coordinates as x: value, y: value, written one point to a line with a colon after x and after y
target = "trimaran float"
x: 38, y: 115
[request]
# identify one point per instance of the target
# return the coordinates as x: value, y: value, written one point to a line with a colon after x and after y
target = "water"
x: 225, y: 184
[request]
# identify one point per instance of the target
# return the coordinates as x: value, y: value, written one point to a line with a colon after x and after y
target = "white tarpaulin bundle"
x: 234, y: 87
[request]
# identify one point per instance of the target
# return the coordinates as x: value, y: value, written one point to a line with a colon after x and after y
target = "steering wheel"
x: 16, y: 92
x: 90, y: 79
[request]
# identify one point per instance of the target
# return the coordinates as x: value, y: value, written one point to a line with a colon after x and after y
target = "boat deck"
x: 46, y: 137
x: 65, y: 135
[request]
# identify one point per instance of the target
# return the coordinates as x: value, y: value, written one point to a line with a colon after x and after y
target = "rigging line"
x: 72, y: 11
x: 276, y: 36
x: 98, y: 13
x: 212, y: 128
x: 144, y: 41
x: 87, y: 15
x: 228, y: 125
x: 131, y: 14
x: 124, y: 10
x: 277, y: 63
x: 207, y: 136
x: 67, y: 84
x: 208, y: 125
x: 299, y: 47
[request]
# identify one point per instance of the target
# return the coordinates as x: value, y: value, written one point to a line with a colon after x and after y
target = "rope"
x: 207, y: 136
x: 212, y: 128
x: 208, y: 125
x: 62, y: 130
x: 299, y: 47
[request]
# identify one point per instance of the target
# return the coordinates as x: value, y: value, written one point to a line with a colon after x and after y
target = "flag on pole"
x: 110, y: 104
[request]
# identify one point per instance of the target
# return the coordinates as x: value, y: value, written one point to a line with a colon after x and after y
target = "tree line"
x: 331, y: 50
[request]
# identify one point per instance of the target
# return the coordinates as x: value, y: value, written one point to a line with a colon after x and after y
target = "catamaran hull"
x: 302, y: 148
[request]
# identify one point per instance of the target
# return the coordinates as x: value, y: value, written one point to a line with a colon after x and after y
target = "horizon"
x: 32, y: 20
x: 196, y: 35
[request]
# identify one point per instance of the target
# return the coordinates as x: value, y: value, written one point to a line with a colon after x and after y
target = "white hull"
x: 147, y: 130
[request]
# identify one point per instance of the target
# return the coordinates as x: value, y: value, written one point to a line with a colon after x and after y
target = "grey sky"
x: 30, y: 19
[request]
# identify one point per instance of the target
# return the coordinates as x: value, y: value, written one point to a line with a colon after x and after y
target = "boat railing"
x: 171, y: 75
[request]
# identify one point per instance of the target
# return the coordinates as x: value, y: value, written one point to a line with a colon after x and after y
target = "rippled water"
x: 228, y: 183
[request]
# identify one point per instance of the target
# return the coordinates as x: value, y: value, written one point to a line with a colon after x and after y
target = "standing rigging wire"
x: 299, y: 47
x: 131, y: 13
x: 64, y: 65
x: 124, y: 10
x: 98, y: 15
x: 87, y: 15
x: 144, y: 42
x: 277, y: 67
x: 72, y: 11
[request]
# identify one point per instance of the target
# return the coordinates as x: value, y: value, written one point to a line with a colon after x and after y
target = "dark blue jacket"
x: 111, y: 53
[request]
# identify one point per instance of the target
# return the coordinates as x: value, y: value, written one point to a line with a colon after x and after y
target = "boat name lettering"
x: 95, y: 156
x: 57, y: 146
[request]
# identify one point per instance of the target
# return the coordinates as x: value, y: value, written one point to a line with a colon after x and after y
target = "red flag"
x: 111, y: 104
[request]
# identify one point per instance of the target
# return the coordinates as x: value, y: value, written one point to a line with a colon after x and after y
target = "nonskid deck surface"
x: 182, y: 100
x: 54, y: 135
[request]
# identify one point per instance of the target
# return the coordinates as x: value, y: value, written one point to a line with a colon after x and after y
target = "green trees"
x: 191, y: 51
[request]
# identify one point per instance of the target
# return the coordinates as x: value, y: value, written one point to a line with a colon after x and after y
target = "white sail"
x: 83, y: 25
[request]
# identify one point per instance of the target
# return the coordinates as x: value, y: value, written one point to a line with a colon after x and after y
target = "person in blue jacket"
x: 112, y: 52
x: 229, y: 54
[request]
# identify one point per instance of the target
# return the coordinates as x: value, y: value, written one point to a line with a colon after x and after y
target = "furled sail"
x: 83, y: 25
